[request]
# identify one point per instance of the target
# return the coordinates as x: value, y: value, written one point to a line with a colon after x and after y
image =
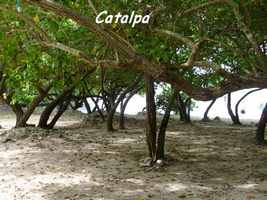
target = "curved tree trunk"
x: 234, y: 119
x: 97, y: 108
x: 62, y: 108
x: 206, y: 117
x: 43, y: 121
x: 240, y: 100
x: 30, y: 109
x: 260, y: 138
x: 162, y: 129
x: 114, y: 104
x: 123, y: 107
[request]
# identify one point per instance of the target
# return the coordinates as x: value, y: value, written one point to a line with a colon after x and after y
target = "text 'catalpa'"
x: 104, y: 17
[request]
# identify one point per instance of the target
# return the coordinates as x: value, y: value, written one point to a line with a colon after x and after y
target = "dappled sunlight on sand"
x: 171, y: 187
x: 85, y: 162
x: 135, y: 181
x: 30, y: 187
x: 177, y: 133
x: 125, y: 141
x: 247, y: 186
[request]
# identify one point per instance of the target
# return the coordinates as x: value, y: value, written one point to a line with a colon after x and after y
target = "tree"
x: 184, y: 106
x: 124, y: 104
x: 155, y: 137
x: 114, y: 87
x: 234, y: 118
x: 206, y: 117
x: 235, y: 115
x: 261, y: 127
x: 241, y: 99
x: 236, y: 64
x: 183, y: 103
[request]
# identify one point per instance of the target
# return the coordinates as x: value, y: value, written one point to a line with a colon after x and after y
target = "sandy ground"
x: 83, y: 162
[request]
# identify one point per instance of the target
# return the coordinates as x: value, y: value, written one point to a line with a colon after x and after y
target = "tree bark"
x: 110, y: 117
x: 116, y: 102
x: 30, y: 109
x: 188, y: 109
x: 17, y: 109
x: 87, y: 106
x: 260, y: 138
x: 151, y: 121
x: 240, y: 100
x: 206, y: 117
x: 43, y: 121
x: 98, y: 109
x: 184, y: 108
x: 234, y: 119
x: 62, y: 108
x: 123, y: 107
x: 162, y: 129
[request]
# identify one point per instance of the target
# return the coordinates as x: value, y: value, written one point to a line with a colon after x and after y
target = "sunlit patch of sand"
x: 247, y: 186
x: 30, y: 187
x: 135, y: 181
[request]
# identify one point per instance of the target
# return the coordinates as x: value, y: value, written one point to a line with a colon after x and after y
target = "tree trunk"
x: 18, y: 112
x: 151, y: 121
x: 114, y: 103
x: 87, y: 106
x: 188, y: 110
x: 124, y: 105
x: 260, y: 138
x: 230, y: 111
x: 16, y: 108
x: 110, y: 117
x: 62, y: 108
x: 36, y: 101
x: 240, y: 100
x: 206, y: 117
x: 180, y: 105
x: 43, y: 121
x: 98, y: 109
x: 162, y: 129
x: 183, y: 108
x: 122, y: 117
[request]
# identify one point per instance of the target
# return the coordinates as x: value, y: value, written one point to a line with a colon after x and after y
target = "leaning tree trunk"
x: 260, y: 139
x: 234, y: 119
x: 162, y: 129
x: 151, y: 121
x: 206, y: 117
x: 240, y: 100
x: 115, y: 103
x: 97, y: 108
x: 62, y: 108
x: 30, y: 109
x: 43, y: 121
x: 123, y: 107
